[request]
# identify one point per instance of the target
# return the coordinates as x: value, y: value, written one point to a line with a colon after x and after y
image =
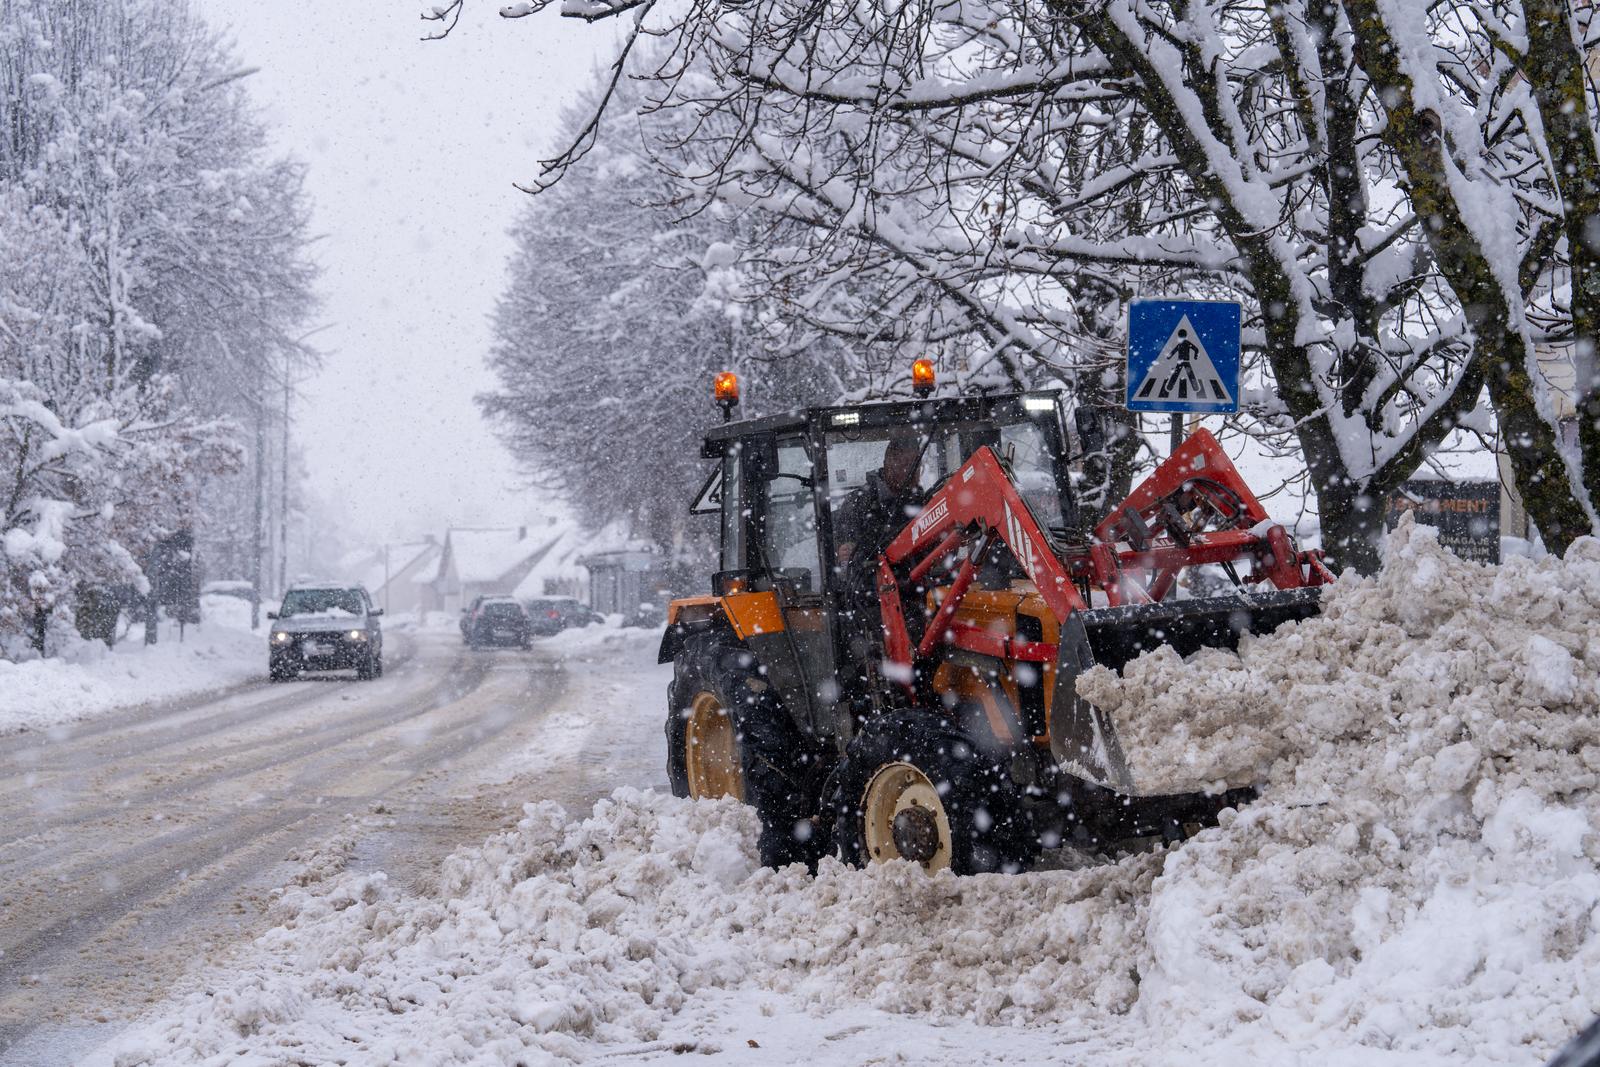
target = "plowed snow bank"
x: 1418, y: 878
x: 1422, y: 868
x: 92, y: 680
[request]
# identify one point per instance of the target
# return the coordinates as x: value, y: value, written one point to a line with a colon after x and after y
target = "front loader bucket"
x: 1081, y: 735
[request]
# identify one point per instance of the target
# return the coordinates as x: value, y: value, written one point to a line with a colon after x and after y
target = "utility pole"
x: 259, y: 524
x: 386, y: 577
x: 283, y: 489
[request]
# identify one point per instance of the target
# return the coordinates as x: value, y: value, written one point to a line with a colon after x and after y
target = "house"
x: 625, y: 574
x: 391, y: 578
x: 478, y: 561
x: 426, y: 585
x: 557, y: 573
x: 388, y: 571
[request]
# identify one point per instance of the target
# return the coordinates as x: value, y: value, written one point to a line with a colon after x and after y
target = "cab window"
x: 1031, y: 450
x: 735, y: 512
x: 789, y: 529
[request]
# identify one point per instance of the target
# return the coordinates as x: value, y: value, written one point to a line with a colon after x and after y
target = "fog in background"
x: 412, y: 147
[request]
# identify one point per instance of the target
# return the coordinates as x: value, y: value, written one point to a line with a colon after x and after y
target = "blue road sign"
x: 1183, y: 355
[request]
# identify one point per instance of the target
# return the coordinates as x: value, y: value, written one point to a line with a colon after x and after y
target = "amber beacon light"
x: 922, y: 377
x: 726, y: 391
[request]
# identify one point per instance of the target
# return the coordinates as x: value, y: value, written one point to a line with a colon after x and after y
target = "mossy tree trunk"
x: 1554, y: 69
x: 1501, y: 348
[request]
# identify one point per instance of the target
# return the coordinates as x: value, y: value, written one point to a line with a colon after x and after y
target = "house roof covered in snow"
x: 561, y: 561
x: 478, y: 555
x: 428, y: 573
x: 401, y: 557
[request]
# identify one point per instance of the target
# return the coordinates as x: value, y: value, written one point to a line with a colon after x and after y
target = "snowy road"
x: 135, y: 847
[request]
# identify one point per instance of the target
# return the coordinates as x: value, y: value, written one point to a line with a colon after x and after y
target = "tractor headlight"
x: 358, y: 635
x: 281, y: 637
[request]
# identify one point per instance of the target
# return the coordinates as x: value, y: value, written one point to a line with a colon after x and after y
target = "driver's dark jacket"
x: 871, y: 516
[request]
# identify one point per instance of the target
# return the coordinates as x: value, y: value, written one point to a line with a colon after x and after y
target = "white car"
x: 325, y: 627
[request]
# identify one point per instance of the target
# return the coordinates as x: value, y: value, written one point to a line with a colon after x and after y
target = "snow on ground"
x: 91, y: 679
x: 1417, y: 885
x: 623, y: 694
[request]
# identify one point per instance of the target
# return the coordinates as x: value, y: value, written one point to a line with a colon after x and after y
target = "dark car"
x: 467, y: 613
x: 647, y: 616
x: 497, y: 621
x: 552, y: 614
x: 325, y: 627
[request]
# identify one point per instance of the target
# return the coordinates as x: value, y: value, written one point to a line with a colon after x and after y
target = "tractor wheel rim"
x: 903, y: 817
x: 711, y: 750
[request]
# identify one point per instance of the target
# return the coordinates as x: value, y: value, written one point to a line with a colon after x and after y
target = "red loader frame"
x: 1134, y: 557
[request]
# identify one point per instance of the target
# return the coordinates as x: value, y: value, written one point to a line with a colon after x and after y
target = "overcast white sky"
x: 412, y: 149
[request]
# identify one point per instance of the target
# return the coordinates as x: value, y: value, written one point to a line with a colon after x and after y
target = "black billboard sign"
x: 1466, y: 514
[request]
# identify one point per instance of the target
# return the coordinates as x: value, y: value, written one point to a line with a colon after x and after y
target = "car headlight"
x: 358, y: 635
x: 280, y: 638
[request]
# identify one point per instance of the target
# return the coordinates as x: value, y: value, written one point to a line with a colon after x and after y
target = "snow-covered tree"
x: 619, y: 311
x: 1488, y: 110
x: 152, y: 283
x: 1013, y: 171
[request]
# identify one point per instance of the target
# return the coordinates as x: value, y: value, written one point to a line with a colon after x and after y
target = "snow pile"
x: 596, y: 638
x: 558, y: 935
x: 89, y: 679
x: 1466, y: 661
x: 1422, y: 868
x: 1418, y: 882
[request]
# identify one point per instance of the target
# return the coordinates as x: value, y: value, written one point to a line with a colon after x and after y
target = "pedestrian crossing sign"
x: 1183, y: 355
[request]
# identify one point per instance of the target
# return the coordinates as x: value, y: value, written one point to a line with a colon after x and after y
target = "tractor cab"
x: 781, y: 480
x: 782, y: 488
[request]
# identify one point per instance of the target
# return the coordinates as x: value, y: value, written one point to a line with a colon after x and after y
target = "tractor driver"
x: 864, y: 524
x: 872, y: 514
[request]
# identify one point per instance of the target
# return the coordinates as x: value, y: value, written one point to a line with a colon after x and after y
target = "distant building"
x: 388, y: 572
x: 426, y: 584
x: 557, y: 573
x: 392, y: 581
x: 626, y: 574
x: 486, y: 562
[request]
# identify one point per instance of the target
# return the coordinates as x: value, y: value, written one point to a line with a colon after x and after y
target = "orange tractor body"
x: 937, y: 719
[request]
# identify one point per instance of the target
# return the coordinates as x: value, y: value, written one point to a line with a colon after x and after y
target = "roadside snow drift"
x: 1417, y: 884
x: 91, y: 679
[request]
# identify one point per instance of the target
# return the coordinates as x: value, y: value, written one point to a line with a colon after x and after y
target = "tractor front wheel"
x: 728, y: 734
x: 712, y: 758
x: 914, y: 787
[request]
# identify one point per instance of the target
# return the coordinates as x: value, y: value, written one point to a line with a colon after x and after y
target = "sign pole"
x: 1176, y: 432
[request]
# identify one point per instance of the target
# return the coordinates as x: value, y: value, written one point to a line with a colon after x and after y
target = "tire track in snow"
x: 101, y: 916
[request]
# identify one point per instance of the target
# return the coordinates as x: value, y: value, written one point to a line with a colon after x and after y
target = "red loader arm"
x: 1164, y: 524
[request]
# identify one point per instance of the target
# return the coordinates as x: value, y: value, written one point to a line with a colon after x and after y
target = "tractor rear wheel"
x: 728, y: 734
x: 914, y: 787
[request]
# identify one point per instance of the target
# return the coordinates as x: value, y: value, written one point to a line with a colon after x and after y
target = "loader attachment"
x: 1081, y: 735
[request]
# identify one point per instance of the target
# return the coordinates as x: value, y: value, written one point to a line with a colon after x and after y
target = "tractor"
x: 919, y: 701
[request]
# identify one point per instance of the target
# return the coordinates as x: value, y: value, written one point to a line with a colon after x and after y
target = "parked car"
x: 325, y: 627
x: 467, y: 613
x: 237, y: 588
x: 497, y: 620
x: 551, y: 614
x: 647, y: 616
